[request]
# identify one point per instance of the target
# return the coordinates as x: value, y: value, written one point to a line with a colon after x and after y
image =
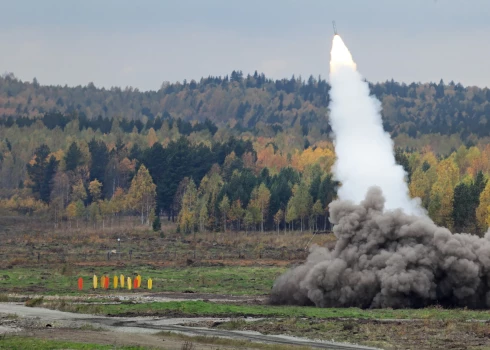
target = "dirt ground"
x: 143, y: 331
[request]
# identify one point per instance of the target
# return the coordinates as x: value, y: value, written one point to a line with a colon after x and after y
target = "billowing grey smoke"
x: 389, y: 259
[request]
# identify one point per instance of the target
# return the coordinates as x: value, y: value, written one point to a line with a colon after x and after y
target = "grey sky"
x: 143, y: 43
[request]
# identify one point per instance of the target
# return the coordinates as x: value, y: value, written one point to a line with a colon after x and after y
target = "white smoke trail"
x: 364, y: 150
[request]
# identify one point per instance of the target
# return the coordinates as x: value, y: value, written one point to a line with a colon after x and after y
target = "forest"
x: 242, y: 153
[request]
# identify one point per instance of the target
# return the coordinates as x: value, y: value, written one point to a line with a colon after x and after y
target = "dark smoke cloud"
x: 389, y: 259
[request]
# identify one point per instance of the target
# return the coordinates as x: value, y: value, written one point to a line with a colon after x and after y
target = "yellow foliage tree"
x: 188, y: 214
x: 483, y: 210
x: 442, y: 193
x: 420, y: 186
x: 141, y: 195
x: 95, y: 189
x: 152, y: 137
x: 323, y: 156
x: 71, y: 211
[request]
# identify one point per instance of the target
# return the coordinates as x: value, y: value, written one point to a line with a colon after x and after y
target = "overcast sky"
x: 143, y: 43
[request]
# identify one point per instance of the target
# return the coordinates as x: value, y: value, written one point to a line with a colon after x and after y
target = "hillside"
x: 263, y: 106
x: 245, y: 153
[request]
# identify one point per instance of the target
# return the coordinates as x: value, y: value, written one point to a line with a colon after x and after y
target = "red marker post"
x: 135, y: 283
x: 106, y: 282
x: 80, y: 283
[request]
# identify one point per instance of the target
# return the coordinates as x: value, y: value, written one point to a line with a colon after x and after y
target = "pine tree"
x: 47, y: 184
x: 99, y: 160
x: 37, y: 166
x: 73, y: 157
x: 157, y: 225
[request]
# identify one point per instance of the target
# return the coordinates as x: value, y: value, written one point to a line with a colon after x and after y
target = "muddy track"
x: 154, y: 325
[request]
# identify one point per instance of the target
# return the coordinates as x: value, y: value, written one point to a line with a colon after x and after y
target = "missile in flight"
x: 334, y: 28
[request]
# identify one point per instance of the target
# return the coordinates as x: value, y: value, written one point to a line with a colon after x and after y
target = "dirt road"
x: 152, y: 325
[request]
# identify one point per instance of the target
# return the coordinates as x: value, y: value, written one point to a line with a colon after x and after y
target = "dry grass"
x: 26, y: 242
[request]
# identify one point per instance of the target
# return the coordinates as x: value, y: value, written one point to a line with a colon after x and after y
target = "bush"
x: 34, y: 302
x: 157, y: 225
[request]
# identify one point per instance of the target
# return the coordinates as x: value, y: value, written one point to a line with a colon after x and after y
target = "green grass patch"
x: 202, y: 308
x: 222, y: 280
x: 22, y: 343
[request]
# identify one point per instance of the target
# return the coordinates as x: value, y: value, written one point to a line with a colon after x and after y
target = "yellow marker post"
x: 95, y: 282
x: 129, y: 283
x: 121, y: 279
x: 150, y: 284
x: 115, y: 280
x: 139, y: 280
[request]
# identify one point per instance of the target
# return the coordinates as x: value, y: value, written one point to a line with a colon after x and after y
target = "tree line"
x: 252, y: 103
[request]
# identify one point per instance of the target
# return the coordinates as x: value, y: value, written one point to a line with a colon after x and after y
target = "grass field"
x: 209, y: 263
x: 236, y: 280
x: 23, y: 343
x: 427, y: 334
x: 204, y: 308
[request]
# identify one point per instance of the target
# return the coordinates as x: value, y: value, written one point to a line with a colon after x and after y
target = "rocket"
x: 334, y: 28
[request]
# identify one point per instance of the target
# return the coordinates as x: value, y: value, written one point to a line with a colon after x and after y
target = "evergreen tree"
x: 36, y: 169
x: 99, y: 160
x: 157, y: 225
x: 47, y: 184
x: 463, y: 206
x: 73, y: 157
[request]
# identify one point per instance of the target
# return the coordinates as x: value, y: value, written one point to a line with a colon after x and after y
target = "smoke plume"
x: 389, y: 259
x: 364, y: 150
x: 388, y: 253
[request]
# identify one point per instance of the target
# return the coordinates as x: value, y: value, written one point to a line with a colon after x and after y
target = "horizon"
x: 142, y: 45
x: 303, y: 79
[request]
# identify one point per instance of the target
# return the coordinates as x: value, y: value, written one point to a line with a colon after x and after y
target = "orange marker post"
x: 135, y: 283
x: 106, y: 282
x: 80, y: 283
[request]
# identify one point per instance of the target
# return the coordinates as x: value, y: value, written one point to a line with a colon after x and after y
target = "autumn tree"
x: 260, y: 199
x: 278, y: 217
x: 316, y: 211
x: 203, y: 216
x: 188, y: 212
x: 442, y: 193
x: 95, y: 190
x: 236, y: 213
x: 141, y: 195
x: 224, y: 207
x: 483, y: 209
x: 300, y: 203
x: 78, y: 191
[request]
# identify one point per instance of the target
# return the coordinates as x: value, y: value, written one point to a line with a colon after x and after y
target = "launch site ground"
x: 210, y: 291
